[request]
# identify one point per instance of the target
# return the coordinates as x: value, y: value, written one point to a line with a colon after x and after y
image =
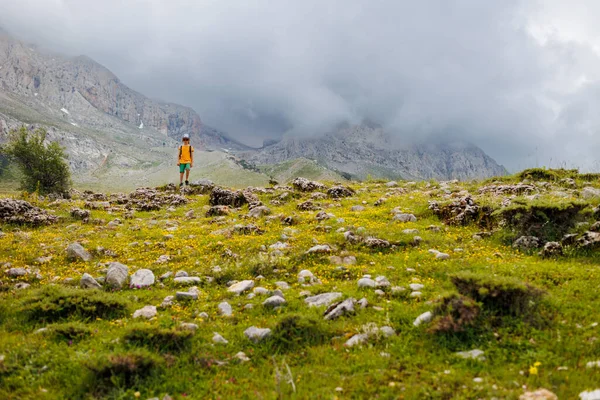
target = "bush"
x: 71, y: 331
x: 454, y: 313
x: 295, y: 331
x: 53, y: 303
x: 124, y: 369
x: 159, y: 339
x: 543, y: 174
x: 502, y: 295
x: 43, y: 165
x: 547, y: 221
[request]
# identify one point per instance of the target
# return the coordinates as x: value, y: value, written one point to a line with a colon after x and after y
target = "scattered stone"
x: 88, y: 282
x: 590, y: 193
x: 165, y: 276
x: 218, y: 339
x: 260, y: 291
x: 78, y: 213
x: 527, y: 243
x: 305, y: 185
x: 145, y: 312
x: 474, y: 354
x: 319, y: 249
x: 257, y: 334
x: 142, y: 278
x: 306, y: 277
x: 187, y: 280
x: 366, y: 282
x: 416, y: 294
x: 218, y: 211
x: 423, y: 318
x: 551, y: 249
x: 186, y: 295
x: 357, y: 208
x: 382, y: 281
x: 590, y: 395
x: 242, y: 356
x: 374, y: 243
x: 339, y: 309
x: 117, y: 275
x: 323, y: 299
x: 76, y: 252
x: 225, y: 309
x: 188, y: 326
x: 540, y: 394
x: 22, y: 285
x: 442, y: 256
x: 282, y: 285
x: 357, y: 339
x: 274, y: 301
x: 16, y: 272
x: 240, y: 287
x: 416, y: 286
x: 337, y: 192
x: 403, y: 217
x: 21, y: 212
x: 363, y: 303
x: 258, y: 212
x: 167, y: 302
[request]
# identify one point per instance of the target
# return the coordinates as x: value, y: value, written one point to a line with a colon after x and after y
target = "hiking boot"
x: 187, y: 183
x: 180, y: 184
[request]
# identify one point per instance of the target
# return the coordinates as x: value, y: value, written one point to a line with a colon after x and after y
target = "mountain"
x: 101, y: 122
x: 364, y: 150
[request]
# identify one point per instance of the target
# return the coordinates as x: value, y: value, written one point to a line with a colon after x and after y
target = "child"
x: 185, y: 160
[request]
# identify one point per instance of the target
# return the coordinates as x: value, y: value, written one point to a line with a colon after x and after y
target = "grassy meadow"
x: 59, y: 341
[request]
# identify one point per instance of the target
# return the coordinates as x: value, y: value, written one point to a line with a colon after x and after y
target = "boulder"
x: 117, y: 275
x: 323, y: 299
x: 339, y: 309
x: 257, y: 334
x: 88, y: 282
x: 146, y: 312
x: 240, y: 287
x: 76, y: 252
x: 403, y: 217
x: 142, y: 278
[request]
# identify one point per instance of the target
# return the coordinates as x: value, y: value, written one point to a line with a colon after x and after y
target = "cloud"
x: 520, y: 78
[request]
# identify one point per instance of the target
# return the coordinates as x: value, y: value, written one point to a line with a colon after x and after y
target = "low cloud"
x: 511, y: 76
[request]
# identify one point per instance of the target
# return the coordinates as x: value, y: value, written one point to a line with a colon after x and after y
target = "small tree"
x: 44, y: 166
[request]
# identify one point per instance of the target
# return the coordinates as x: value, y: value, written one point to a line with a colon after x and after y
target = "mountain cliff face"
x: 366, y: 149
x: 85, y: 93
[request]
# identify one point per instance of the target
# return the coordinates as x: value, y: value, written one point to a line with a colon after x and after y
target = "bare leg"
x: 181, y: 177
x: 187, y: 174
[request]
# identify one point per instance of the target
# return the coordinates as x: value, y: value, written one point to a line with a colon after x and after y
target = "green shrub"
x: 544, y: 174
x: 53, y: 303
x: 71, y: 331
x: 454, y: 313
x: 124, y: 369
x: 43, y: 166
x: 159, y: 339
x: 295, y: 331
x: 548, y: 221
x: 502, y: 295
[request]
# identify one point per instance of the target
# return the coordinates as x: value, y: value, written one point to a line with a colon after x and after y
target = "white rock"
x: 442, y: 256
x: 167, y: 302
x: 416, y: 294
x: 219, y: 339
x: 274, y: 301
x: 242, y: 356
x: 282, y: 285
x: 477, y: 380
x: 319, y: 249
x: 117, y: 275
x: 306, y: 277
x: 593, y: 364
x: 142, y: 278
x: 387, y: 331
x: 323, y: 299
x: 75, y: 252
x: 382, y: 281
x: 593, y: 395
x: 357, y: 339
x: 416, y: 286
x: 402, y: 217
x: 257, y: 334
x: 225, y: 309
x: 88, y: 282
x: 187, y: 280
x: 423, y: 318
x: 474, y: 354
x: 146, y: 312
x: 240, y: 287
x: 337, y: 310
x: 366, y: 282
x: 16, y: 272
x: 186, y: 296
x: 189, y: 326
x: 260, y: 291
x: 279, y: 246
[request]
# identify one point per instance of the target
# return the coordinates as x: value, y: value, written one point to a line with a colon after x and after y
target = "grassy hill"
x: 535, y: 317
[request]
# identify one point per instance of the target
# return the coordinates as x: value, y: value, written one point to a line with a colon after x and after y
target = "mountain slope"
x: 100, y: 121
x: 367, y: 150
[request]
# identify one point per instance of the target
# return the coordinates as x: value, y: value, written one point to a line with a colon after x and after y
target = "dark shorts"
x: 183, y: 167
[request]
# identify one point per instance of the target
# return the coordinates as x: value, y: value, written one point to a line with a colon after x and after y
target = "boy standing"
x: 185, y: 160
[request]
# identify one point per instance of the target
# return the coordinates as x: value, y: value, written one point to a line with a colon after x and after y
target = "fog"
x: 520, y: 79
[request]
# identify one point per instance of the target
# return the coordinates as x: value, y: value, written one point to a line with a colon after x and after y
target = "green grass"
x: 93, y: 348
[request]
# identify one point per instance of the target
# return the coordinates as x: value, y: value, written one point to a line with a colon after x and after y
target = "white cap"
x: 186, y: 136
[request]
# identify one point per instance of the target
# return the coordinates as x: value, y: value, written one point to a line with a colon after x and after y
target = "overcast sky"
x: 519, y: 78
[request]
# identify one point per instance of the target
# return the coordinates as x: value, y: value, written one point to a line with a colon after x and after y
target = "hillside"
x: 365, y: 150
x: 445, y: 290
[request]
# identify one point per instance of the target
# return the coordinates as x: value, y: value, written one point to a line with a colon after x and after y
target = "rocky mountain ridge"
x: 366, y: 149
